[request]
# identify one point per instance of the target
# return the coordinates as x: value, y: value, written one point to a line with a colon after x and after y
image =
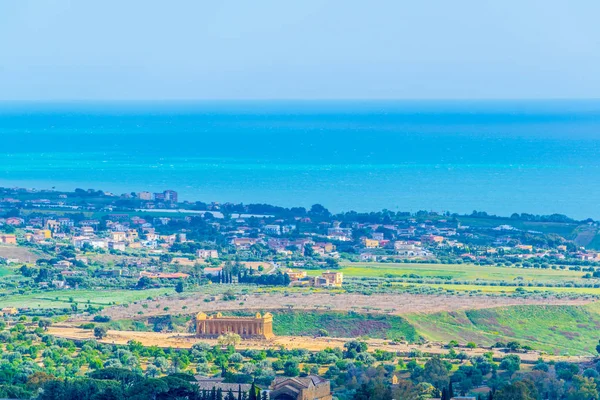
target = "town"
x: 335, y: 304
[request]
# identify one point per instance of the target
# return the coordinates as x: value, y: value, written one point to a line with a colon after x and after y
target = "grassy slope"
x: 556, y: 329
x: 340, y: 324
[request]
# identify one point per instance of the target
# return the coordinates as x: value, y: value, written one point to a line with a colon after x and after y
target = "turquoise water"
x: 500, y: 157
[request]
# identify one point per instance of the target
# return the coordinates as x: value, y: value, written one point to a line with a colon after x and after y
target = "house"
x: 524, y: 247
x: 52, y: 225
x: 145, y: 196
x: 408, y: 249
x: 327, y: 247
x: 66, y: 222
x: 272, y: 229
x: 370, y: 243
x: 87, y: 231
x: 131, y: 235
x: 296, y: 275
x: 203, y: 253
x: 377, y: 236
x: 9, y: 311
x: 333, y: 278
x: 368, y: 257
x: 300, y: 388
x: 338, y: 233
x: 63, y: 264
x: 170, y: 239
x: 118, y: 236
x: 15, y: 221
x: 8, y: 239
x: 432, y: 239
x: 243, y: 243
x: 118, y: 246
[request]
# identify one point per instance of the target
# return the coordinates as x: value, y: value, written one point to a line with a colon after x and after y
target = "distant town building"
x: 8, y: 239
x: 203, y: 253
x: 145, y: 196
x: 296, y: 275
x: 272, y: 229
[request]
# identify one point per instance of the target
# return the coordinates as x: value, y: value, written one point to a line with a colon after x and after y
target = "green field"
x: 62, y: 298
x: 505, y: 289
x: 457, y: 271
x: 565, y: 330
x: 342, y: 324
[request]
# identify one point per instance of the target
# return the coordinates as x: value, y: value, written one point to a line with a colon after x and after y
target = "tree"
x: 436, y: 373
x: 522, y: 390
x: 583, y: 389
x: 179, y: 288
x: 291, y: 368
x: 100, y: 332
x: 253, y: 395
x: 229, y: 339
x: 44, y: 324
x: 511, y: 363
x: 354, y: 347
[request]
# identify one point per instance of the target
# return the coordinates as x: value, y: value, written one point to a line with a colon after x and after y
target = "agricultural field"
x: 458, y: 271
x: 62, y: 298
x: 500, y: 290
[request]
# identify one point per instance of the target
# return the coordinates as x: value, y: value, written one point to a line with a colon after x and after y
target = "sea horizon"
x: 497, y: 156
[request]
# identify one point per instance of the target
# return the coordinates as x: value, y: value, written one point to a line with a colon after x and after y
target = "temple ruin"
x: 213, y: 326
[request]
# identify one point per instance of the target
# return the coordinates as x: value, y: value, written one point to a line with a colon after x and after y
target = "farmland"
x: 456, y: 271
x: 62, y: 298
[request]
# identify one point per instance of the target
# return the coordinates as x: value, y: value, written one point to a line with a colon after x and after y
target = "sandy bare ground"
x: 185, y: 341
x: 397, y: 304
x: 23, y: 254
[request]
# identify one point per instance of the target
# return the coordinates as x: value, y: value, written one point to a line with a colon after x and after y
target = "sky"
x: 303, y: 49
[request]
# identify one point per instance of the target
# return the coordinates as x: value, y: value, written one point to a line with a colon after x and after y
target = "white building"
x: 207, y: 253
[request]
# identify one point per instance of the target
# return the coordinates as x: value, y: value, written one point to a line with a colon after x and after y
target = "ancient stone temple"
x: 213, y: 326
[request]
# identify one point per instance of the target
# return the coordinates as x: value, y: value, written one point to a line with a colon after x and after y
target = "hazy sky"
x: 218, y: 49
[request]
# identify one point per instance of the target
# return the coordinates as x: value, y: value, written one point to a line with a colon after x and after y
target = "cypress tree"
x: 219, y: 394
x: 252, y: 394
x: 450, y: 391
x: 239, y: 392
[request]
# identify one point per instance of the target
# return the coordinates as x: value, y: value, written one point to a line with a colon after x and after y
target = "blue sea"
x: 459, y: 156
